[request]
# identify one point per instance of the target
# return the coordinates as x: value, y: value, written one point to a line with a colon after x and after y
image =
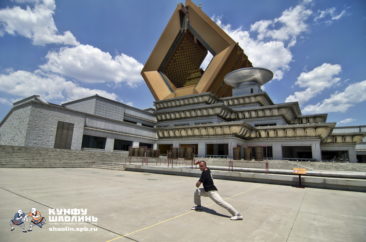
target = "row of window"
x: 134, y: 122
x: 200, y: 123
x: 99, y: 143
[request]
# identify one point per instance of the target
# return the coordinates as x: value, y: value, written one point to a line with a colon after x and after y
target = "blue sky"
x: 65, y: 50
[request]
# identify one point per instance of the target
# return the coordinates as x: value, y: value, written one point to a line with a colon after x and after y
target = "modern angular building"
x: 219, y: 111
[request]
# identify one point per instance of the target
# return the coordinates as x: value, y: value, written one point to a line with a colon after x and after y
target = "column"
x: 316, y: 152
x: 201, y: 149
x: 277, y: 151
x: 230, y: 147
x: 175, y: 144
x: 135, y: 144
x: 109, y: 145
x: 155, y: 146
x: 352, y: 154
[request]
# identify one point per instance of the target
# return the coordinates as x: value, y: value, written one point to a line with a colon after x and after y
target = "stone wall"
x: 32, y: 157
x: 86, y: 106
x: 13, y: 131
x: 43, y: 124
x: 20, y: 156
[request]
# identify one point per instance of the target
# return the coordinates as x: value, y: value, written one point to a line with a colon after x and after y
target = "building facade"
x: 220, y: 111
x: 89, y: 123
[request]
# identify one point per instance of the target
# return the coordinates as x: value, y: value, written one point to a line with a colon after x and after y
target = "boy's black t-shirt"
x: 206, y: 179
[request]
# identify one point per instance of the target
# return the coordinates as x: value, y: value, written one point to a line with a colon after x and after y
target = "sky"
x: 66, y: 50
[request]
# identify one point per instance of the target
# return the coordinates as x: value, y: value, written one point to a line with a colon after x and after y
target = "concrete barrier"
x: 337, y: 183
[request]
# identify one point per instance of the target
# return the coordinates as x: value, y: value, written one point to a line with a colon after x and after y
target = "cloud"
x: 5, y: 101
x: 35, y: 23
x: 329, y: 15
x: 287, y: 27
x: 51, y: 87
x: 346, y: 121
x: 91, y: 65
x: 315, y: 81
x: 272, y: 55
x: 342, y: 101
x: 268, y: 42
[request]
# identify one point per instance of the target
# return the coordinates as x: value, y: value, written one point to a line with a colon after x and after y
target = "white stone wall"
x: 14, y: 130
x: 109, y: 110
x: 119, y: 127
x: 142, y: 115
x: 43, y: 125
x: 246, y: 89
x: 86, y: 106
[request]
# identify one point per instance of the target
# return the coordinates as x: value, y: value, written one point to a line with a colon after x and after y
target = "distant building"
x: 217, y: 112
x: 89, y: 123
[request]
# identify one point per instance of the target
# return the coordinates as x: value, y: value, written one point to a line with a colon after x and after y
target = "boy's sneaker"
x: 237, y: 217
x: 197, y: 208
x: 12, y: 229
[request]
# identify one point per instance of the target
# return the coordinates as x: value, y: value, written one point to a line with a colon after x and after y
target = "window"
x: 93, y: 142
x: 217, y: 150
x: 129, y: 121
x: 183, y: 124
x: 270, y: 124
x: 64, y: 134
x: 164, y: 148
x: 194, y: 147
x: 147, y: 125
x: 122, y: 144
x: 339, y: 155
x: 297, y: 152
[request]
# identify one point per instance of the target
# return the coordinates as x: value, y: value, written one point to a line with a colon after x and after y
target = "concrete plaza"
x: 134, y: 206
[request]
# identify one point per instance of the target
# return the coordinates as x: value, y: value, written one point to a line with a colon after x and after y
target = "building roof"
x: 96, y: 96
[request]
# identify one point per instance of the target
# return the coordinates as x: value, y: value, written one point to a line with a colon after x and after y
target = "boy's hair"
x: 198, y: 162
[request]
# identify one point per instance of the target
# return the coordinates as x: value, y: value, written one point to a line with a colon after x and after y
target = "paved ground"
x: 132, y: 206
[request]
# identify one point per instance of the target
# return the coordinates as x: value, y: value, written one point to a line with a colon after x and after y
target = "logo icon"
x: 20, y: 220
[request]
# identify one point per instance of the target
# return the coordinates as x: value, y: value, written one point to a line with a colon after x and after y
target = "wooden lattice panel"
x: 185, y: 62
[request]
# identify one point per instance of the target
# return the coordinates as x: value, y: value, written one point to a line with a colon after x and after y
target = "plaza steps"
x: 31, y: 157
x: 20, y: 156
x: 331, y: 175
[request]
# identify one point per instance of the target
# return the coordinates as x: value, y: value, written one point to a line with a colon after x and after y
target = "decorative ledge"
x: 321, y: 131
x: 241, y: 130
x: 345, y: 138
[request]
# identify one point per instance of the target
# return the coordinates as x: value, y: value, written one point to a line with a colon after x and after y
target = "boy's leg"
x: 23, y: 227
x: 30, y: 226
x: 11, y: 225
x: 197, y: 196
x: 215, y: 196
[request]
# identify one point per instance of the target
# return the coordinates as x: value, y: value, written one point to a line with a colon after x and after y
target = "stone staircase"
x: 32, y: 157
